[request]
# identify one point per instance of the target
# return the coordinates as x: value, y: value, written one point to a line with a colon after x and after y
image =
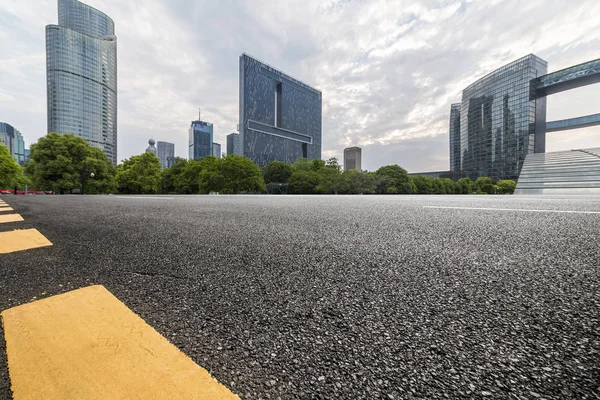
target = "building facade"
x: 166, y: 153
x: 455, y: 137
x: 151, y: 147
x: 217, y: 150
x: 280, y: 116
x: 81, y: 66
x: 353, y: 158
x: 13, y: 139
x: 200, y: 140
x: 233, y: 144
x: 498, y: 117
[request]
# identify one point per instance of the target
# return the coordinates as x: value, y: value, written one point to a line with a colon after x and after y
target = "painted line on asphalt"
x: 24, y: 239
x: 4, y: 218
x: 87, y: 344
x: 514, y: 209
x: 145, y: 197
x: 5, y: 208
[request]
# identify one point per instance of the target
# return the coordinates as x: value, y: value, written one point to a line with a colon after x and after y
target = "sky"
x: 388, y: 70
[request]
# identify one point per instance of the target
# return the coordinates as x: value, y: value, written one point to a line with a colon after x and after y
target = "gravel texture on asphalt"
x: 339, y: 297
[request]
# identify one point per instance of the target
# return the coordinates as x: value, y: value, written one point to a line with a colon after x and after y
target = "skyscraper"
x: 216, y: 150
x: 13, y: 139
x: 233, y: 144
x: 280, y: 117
x: 353, y: 158
x: 200, y: 140
x: 166, y: 153
x: 81, y: 62
x: 455, y: 137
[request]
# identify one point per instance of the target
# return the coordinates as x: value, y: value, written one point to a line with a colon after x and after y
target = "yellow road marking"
x: 5, y: 208
x: 10, y: 218
x: 86, y: 344
x: 24, y: 239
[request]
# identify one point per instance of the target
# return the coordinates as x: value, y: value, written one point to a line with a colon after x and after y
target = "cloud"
x: 388, y: 70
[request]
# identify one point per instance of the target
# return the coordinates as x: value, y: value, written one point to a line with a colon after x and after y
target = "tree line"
x: 61, y: 163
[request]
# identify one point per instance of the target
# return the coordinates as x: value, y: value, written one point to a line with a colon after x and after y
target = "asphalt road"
x: 346, y: 297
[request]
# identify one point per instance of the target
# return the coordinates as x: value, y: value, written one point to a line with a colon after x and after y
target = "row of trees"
x: 60, y: 163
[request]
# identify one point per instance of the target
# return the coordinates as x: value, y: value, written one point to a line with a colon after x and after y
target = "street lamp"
x: 83, y: 171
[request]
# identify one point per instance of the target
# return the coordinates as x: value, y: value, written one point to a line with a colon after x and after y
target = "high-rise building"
x: 217, y: 150
x: 455, y: 137
x: 81, y: 62
x: 151, y: 147
x: 200, y: 140
x: 280, y: 117
x: 353, y: 158
x: 166, y: 153
x: 233, y: 144
x: 13, y: 139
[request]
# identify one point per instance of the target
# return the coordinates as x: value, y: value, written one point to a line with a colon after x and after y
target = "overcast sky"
x: 388, y: 70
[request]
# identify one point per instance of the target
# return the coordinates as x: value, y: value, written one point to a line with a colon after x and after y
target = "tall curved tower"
x: 81, y: 65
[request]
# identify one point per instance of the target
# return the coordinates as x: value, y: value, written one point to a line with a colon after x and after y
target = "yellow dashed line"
x: 24, y: 239
x: 5, y: 208
x: 10, y: 218
x: 86, y: 344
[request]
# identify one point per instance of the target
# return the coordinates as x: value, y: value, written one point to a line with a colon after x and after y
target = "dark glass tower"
x: 497, y: 120
x: 81, y: 62
x: 455, y: 137
x: 200, y: 140
x: 280, y: 117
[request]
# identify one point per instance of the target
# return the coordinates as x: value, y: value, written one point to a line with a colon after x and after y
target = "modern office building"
x: 502, y: 118
x: 151, y: 147
x: 200, y: 140
x: 233, y: 144
x: 280, y: 116
x: 81, y: 62
x: 13, y: 139
x: 166, y: 153
x: 455, y: 137
x: 353, y: 158
x: 216, y: 150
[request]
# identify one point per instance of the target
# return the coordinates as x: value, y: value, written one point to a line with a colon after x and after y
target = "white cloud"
x: 388, y: 70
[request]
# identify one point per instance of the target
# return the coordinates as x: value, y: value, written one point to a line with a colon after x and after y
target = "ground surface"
x: 339, y: 296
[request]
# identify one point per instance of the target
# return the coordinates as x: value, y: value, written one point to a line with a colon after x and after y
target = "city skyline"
x: 388, y: 91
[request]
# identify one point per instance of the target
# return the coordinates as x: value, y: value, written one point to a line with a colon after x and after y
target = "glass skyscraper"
x: 498, y: 117
x: 455, y: 137
x: 280, y: 117
x: 200, y: 140
x: 81, y: 62
x: 13, y: 139
x: 216, y: 150
x: 233, y: 144
x: 166, y: 153
x: 353, y: 158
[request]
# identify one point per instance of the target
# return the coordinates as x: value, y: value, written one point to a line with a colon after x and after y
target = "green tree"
x: 465, y: 186
x: 277, y: 171
x: 211, y: 178
x: 507, y: 186
x: 186, y: 181
x: 304, y: 182
x: 139, y: 174
x: 11, y: 173
x: 394, y: 179
x: 57, y: 163
x: 484, y: 184
x: 302, y: 164
x: 240, y: 174
x: 168, y: 175
x: 424, y: 184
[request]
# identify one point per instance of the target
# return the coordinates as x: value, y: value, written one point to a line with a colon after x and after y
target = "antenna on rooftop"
x: 199, y: 114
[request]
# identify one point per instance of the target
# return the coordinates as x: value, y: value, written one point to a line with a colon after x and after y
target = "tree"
x: 424, y: 184
x: 507, y: 186
x: 302, y: 164
x: 186, y: 181
x: 304, y: 182
x: 139, y: 174
x: 277, y: 171
x: 465, y: 186
x: 240, y: 174
x: 168, y: 175
x: 11, y: 173
x: 58, y: 162
x: 211, y: 178
x: 394, y: 179
x: 484, y: 185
